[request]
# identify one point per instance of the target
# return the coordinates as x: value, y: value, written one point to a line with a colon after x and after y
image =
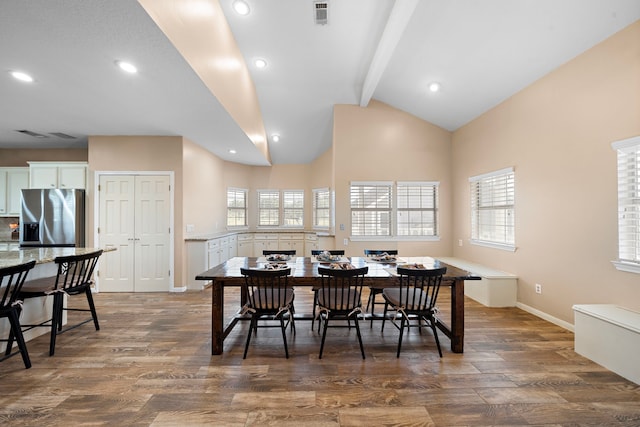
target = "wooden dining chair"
x: 315, y: 252
x: 415, y: 297
x: 74, y: 277
x: 11, y: 281
x: 339, y: 297
x: 290, y: 252
x: 269, y: 297
x: 373, y: 292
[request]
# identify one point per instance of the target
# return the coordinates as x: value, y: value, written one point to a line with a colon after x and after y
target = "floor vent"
x: 321, y: 12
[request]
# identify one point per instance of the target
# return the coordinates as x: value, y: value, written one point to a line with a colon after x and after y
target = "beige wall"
x: 557, y: 135
x: 380, y: 143
x: 143, y: 153
x: 20, y: 157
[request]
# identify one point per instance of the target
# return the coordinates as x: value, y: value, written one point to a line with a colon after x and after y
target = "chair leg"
x: 402, y: 321
x: 315, y: 304
x: 384, y: 316
x: 355, y: 319
x: 435, y: 333
x: 17, y: 331
x: 251, y: 328
x: 284, y: 337
x: 92, y: 307
x: 324, y: 333
x: 56, y: 320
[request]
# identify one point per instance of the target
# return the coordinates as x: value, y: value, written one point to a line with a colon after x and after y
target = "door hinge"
x: 169, y: 273
x: 98, y: 230
x: 98, y: 187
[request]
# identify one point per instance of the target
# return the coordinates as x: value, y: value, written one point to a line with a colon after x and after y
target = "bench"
x: 610, y: 336
x: 496, y: 289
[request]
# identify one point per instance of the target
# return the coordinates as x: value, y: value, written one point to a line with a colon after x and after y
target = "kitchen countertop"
x: 41, y: 255
x: 205, y: 237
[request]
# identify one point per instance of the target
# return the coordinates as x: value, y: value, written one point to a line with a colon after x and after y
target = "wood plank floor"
x: 150, y: 365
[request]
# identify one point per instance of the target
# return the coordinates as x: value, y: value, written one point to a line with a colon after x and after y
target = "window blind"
x: 628, y: 199
x: 371, y: 209
x: 293, y: 208
x: 268, y: 207
x: 321, y: 208
x: 236, y: 207
x: 417, y: 205
x: 493, y: 207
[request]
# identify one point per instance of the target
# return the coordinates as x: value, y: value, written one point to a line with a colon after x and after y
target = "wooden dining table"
x: 304, y: 272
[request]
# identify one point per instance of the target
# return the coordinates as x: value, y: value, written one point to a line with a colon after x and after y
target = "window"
x: 321, y: 208
x: 371, y: 209
x: 628, y: 204
x: 276, y: 209
x: 493, y: 209
x: 268, y: 208
x: 293, y: 208
x: 417, y: 208
x: 236, y: 207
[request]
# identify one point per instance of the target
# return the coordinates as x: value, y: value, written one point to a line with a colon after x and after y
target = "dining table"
x: 304, y: 273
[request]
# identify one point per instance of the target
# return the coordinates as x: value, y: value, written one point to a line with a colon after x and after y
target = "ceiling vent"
x: 33, y: 134
x: 62, y: 135
x: 321, y: 12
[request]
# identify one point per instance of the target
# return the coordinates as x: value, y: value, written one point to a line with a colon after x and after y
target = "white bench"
x: 610, y: 336
x: 496, y: 289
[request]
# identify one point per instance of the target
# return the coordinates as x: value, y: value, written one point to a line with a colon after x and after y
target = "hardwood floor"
x: 150, y: 365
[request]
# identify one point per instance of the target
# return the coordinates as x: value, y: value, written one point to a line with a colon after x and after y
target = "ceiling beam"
x: 396, y: 24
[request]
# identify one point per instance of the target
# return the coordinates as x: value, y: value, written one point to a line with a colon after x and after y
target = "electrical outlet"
x: 538, y: 288
x: 341, y: 227
x: 346, y: 242
x: 460, y: 242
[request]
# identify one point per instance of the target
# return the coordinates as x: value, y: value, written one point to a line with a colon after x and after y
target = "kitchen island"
x: 36, y: 310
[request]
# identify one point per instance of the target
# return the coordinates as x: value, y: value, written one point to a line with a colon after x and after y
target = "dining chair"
x: 316, y: 252
x: 74, y: 277
x: 269, y: 297
x: 414, y: 297
x: 339, y: 297
x: 373, y: 292
x: 11, y: 281
x: 290, y: 252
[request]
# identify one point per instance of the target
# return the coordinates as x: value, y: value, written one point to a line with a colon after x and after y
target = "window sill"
x: 394, y: 238
x: 629, y: 267
x: 493, y: 245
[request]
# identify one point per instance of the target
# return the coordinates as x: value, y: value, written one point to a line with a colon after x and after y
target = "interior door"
x: 135, y: 212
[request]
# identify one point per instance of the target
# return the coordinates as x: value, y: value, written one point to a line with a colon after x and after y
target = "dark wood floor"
x: 150, y: 364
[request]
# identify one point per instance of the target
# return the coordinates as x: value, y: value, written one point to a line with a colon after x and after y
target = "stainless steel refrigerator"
x: 52, y: 218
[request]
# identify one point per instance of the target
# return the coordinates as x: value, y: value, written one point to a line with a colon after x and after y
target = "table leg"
x: 457, y: 316
x: 217, y: 316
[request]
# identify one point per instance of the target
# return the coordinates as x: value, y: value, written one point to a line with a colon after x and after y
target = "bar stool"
x: 75, y: 277
x: 11, y: 281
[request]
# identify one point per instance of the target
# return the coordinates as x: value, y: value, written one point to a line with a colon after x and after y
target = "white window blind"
x: 371, y: 209
x: 268, y: 208
x: 293, y: 208
x: 321, y: 208
x: 236, y: 207
x: 493, y: 208
x: 417, y: 208
x: 628, y: 200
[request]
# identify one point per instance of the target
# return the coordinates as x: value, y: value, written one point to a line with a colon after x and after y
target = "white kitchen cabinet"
x: 233, y: 246
x: 245, y: 244
x: 310, y: 243
x: 292, y: 241
x: 264, y: 241
x: 58, y: 174
x: 12, y: 180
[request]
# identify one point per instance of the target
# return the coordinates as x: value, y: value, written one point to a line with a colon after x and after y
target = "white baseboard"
x: 180, y: 289
x: 541, y: 314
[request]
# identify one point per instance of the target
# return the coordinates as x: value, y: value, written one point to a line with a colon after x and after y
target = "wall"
x: 380, y: 143
x: 20, y: 157
x: 143, y: 153
x: 557, y: 135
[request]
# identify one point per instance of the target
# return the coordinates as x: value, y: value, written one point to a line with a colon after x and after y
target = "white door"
x: 135, y: 213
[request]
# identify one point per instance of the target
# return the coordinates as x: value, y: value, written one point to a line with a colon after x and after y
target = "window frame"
x: 432, y: 186
x: 628, y: 204
x: 271, y: 209
x: 507, y: 208
x: 287, y: 210
x: 316, y: 209
x: 245, y: 209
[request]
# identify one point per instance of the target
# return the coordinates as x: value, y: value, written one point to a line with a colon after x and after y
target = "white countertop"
x: 41, y: 255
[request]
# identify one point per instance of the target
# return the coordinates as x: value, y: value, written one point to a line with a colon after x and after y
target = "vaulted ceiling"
x: 479, y: 51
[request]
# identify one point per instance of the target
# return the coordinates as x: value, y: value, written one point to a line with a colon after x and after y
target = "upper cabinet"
x: 12, y: 180
x: 58, y: 174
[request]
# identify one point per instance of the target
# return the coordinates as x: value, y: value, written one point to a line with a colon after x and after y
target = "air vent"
x: 321, y: 12
x: 30, y: 133
x: 62, y: 135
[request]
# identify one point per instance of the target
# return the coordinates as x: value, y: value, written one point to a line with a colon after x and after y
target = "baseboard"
x: 541, y: 314
x: 180, y: 289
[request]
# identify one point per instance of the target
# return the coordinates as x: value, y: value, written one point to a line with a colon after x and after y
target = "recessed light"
x: 232, y: 151
x: 434, y: 87
x: 23, y: 77
x: 127, y: 66
x: 241, y: 7
x: 260, y: 63
x: 275, y: 137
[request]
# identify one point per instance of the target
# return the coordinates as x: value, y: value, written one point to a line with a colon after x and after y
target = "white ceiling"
x: 481, y: 51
